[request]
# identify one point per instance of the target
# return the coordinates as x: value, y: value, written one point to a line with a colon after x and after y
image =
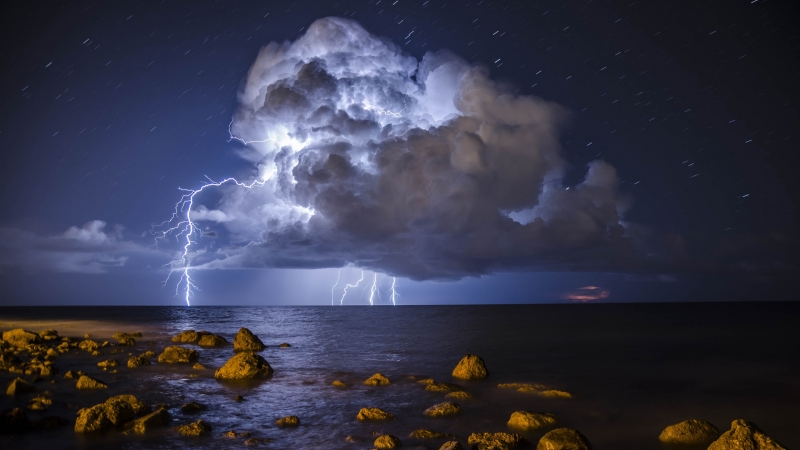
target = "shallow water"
x: 633, y: 370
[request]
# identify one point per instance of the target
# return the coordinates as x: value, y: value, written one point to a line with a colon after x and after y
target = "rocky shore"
x: 33, y: 360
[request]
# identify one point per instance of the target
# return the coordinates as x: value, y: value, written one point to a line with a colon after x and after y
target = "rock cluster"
x: 113, y: 412
x: 496, y: 441
x: 288, y: 421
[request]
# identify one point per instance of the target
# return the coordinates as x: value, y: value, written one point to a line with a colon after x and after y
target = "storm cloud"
x: 424, y: 169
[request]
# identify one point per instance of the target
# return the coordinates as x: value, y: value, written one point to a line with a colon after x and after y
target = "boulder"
x: 120, y: 335
x: 137, y: 361
x: 108, y: 363
x: 19, y: 386
x: 443, y: 410
x: 526, y: 420
x: 189, y: 336
x: 443, y: 387
x: 288, y: 421
x: 156, y: 419
x: 40, y: 403
x: 246, y: 341
x: 198, y: 428
x: 192, y: 407
x: 371, y: 414
x: 563, y: 439
x: 338, y: 383
x: 377, y: 380
x: 176, y: 354
x: 14, y: 421
x: 451, y: 445
x: 244, y: 365
x: 429, y: 434
x: 21, y: 338
x: 426, y: 381
x: 496, y: 441
x: 127, y: 341
x: 471, y: 367
x: 459, y: 395
x: 212, y: 340
x: 198, y: 366
x: 113, y: 412
x: 87, y: 382
x: 8, y: 360
x: 387, y: 441
x: 284, y: 345
x: 690, y: 432
x: 744, y: 436
x: 89, y: 345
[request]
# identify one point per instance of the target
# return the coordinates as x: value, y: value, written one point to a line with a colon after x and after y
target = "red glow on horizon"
x: 588, y: 294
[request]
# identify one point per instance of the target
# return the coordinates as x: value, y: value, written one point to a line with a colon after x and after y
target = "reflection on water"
x: 633, y: 369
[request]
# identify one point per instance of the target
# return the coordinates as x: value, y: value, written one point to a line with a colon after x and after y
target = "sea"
x: 632, y: 370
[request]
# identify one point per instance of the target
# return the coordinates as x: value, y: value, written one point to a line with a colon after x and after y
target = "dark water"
x: 633, y: 370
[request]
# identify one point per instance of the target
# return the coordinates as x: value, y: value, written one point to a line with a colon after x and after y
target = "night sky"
x: 107, y: 108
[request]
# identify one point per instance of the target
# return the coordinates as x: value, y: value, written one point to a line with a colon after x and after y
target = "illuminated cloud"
x: 588, y: 294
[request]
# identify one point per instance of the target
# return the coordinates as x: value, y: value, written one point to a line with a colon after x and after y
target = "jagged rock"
x: 745, y: 435
x: 120, y: 335
x: 21, y: 338
x: 284, y: 345
x: 14, y: 421
x: 212, y: 340
x: 189, y: 336
x: 198, y: 428
x: 156, y: 419
x: 19, y: 386
x: 471, y: 367
x: 429, y: 434
x: 113, y: 412
x: 288, y: 421
x: 198, y: 366
x: 148, y: 354
x: 377, y: 380
x: 443, y: 387
x: 690, y: 432
x: 563, y: 439
x: 338, y: 383
x: 365, y: 414
x: 443, y: 410
x: 496, y: 441
x: 137, y: 361
x: 95, y: 353
x: 245, y: 340
x: 387, y: 441
x: 526, y: 420
x: 127, y: 342
x: 108, y: 363
x: 243, y: 366
x: 176, y: 354
x: 459, y: 395
x: 451, y: 445
x: 88, y: 345
x: 87, y: 382
x: 193, y: 407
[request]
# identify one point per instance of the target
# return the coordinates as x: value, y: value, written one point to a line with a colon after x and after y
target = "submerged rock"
x: 121, y: 335
x: 189, y: 336
x: 13, y: 421
x: 148, y: 354
x: 451, y: 445
x: 244, y: 365
x: 198, y: 428
x: 198, y: 366
x: 563, y: 439
x: 443, y: 387
x: 526, y: 420
x: 531, y: 387
x: 127, y: 341
x: 176, y: 354
x: 552, y: 393
x: 459, y: 395
x: 429, y: 434
x: 426, y: 381
x: 87, y: 382
x: 137, y: 361
x: 288, y: 421
x: 378, y: 379
x: 443, y: 410
x: 471, y: 367
x: 21, y: 338
x: 113, y: 412
x: 369, y: 414
x: 156, y: 419
x: 246, y: 341
x: 192, y: 407
x: 496, y: 441
x: 338, y: 383
x: 690, y: 432
x: 19, y: 386
x: 212, y: 340
x: 108, y: 363
x: 8, y: 360
x: 284, y: 345
x: 387, y: 441
x: 744, y: 435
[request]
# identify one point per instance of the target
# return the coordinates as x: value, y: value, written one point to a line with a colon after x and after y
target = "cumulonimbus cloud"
x: 425, y: 169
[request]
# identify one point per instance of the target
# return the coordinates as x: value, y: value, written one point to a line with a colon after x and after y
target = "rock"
x: 246, y: 341
x: 113, y: 412
x: 8, y: 360
x: 451, y: 445
x: 49, y: 335
x: 156, y: 419
x: 192, y: 407
x: 212, y: 340
x: 338, y: 383
x: 148, y: 354
x: 108, y: 363
x: 87, y: 336
x: 443, y: 387
x: 377, y: 380
x: 243, y: 366
x: 496, y: 441
x: 238, y: 399
x: 563, y: 439
x: 518, y: 386
x: 429, y: 434
x: 426, y: 381
x: 87, y: 382
x: 256, y: 441
x: 105, y: 344
x: 459, y: 395
x: 526, y: 420
x: 137, y: 361
x: 387, y: 441
x: 21, y: 338
x: 552, y: 393
x: 471, y: 367
x: 284, y: 345
x: 744, y: 436
x: 127, y: 341
x: 176, y: 354
x: 70, y: 375
x: 14, y: 421
x: 19, y: 386
x: 351, y: 438
x: 690, y: 432
x: 443, y: 410
x: 369, y: 414
x: 40, y: 403
x: 198, y: 366
x: 95, y: 353
x: 119, y: 336
x: 189, y: 336
x: 88, y: 345
x: 198, y: 428
x: 288, y: 421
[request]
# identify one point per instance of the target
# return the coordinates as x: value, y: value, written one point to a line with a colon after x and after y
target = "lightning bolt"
x: 182, y: 225
x: 369, y: 107
x: 374, y: 289
x: 233, y: 137
x: 344, y: 294
x: 338, y: 275
x: 394, y: 291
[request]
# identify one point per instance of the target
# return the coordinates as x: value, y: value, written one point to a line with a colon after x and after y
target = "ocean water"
x: 632, y: 369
